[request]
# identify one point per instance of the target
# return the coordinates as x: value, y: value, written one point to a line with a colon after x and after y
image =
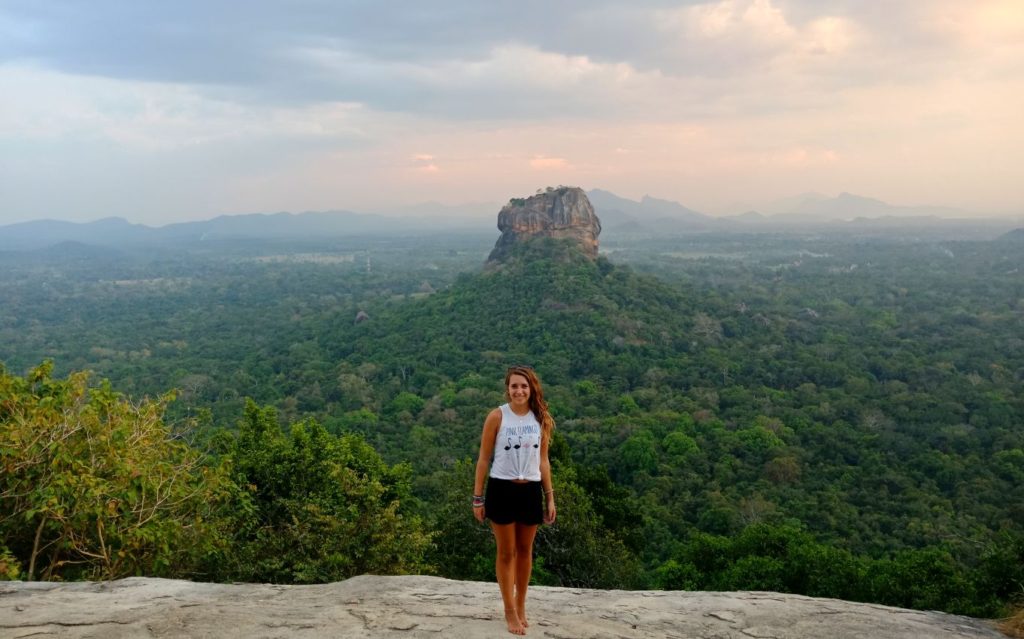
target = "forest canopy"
x: 733, y: 411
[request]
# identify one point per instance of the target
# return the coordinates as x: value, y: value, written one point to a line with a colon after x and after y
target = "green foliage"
x: 678, y: 445
x: 316, y: 507
x: 406, y: 402
x: 864, y: 392
x: 96, y: 486
x: 586, y: 388
x: 1000, y: 573
x: 672, y: 575
x: 628, y: 405
x: 757, y: 441
x: 755, y: 572
x: 926, y: 579
x: 787, y: 559
x: 10, y: 568
x: 461, y: 548
x: 579, y: 551
x: 638, y: 452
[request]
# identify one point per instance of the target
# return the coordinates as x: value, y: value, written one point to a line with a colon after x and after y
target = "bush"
x: 314, y: 507
x: 95, y: 486
x: 578, y: 551
x: 926, y: 579
x: 10, y: 569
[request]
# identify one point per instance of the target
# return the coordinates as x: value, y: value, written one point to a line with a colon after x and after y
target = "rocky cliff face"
x: 562, y: 213
x: 396, y: 607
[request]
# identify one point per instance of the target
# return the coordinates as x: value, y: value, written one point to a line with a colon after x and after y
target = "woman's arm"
x: 483, y: 460
x: 545, y: 481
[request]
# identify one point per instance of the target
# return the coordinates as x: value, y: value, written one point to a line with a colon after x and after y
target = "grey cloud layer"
x: 450, y: 59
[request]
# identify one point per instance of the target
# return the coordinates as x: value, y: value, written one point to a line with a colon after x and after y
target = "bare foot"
x: 514, y: 625
x: 522, y: 618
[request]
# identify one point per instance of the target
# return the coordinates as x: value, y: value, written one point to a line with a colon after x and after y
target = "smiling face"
x: 518, y: 390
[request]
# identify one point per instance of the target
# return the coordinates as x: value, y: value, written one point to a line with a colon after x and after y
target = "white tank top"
x: 517, y: 447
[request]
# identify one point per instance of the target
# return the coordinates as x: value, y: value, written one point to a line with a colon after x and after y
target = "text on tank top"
x: 517, y: 447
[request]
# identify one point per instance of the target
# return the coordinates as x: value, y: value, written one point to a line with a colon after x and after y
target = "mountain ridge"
x: 619, y: 215
x: 1016, y: 235
x: 116, y: 231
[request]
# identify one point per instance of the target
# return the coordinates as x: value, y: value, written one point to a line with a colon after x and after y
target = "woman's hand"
x: 550, y: 511
x: 479, y: 514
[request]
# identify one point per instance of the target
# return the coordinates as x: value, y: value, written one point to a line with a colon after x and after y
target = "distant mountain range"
x: 846, y: 212
x: 847, y: 206
x: 476, y: 210
x: 618, y: 215
x: 115, y: 231
x: 1016, y: 236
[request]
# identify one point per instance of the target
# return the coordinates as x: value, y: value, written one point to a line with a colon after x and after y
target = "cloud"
x: 980, y: 23
x: 424, y: 163
x: 733, y: 19
x: 799, y: 157
x: 509, y: 80
x: 545, y: 163
x: 741, y: 37
x: 470, y: 61
x: 829, y: 36
x: 458, y: 60
x: 155, y: 116
x: 313, y: 104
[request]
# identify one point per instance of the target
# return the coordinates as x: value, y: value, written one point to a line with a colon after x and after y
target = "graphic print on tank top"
x: 517, y: 447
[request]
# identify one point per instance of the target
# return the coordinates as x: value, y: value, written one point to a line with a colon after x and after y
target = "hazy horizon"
x: 170, y: 113
x: 486, y: 212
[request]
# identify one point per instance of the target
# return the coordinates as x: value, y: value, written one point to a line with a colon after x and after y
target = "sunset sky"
x: 168, y: 111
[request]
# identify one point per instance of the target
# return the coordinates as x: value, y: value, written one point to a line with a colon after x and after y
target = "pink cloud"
x: 543, y: 162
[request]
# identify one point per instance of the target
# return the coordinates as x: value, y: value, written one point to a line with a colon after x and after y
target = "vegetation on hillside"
x: 95, y: 486
x: 830, y: 417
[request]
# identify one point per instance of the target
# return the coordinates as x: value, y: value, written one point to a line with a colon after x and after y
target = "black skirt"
x: 509, y: 502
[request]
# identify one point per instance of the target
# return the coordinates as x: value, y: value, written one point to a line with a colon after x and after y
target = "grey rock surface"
x: 370, y: 606
x: 564, y: 213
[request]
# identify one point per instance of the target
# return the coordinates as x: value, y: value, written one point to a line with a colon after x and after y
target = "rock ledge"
x: 370, y: 606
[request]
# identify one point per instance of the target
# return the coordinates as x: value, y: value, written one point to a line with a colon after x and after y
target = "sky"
x: 170, y: 111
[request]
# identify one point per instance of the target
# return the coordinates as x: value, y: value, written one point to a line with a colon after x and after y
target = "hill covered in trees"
x: 836, y: 418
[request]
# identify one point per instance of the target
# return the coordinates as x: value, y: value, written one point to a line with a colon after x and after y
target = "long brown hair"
x: 536, y: 401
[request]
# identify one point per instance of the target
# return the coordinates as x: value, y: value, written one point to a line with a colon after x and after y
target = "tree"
x: 96, y: 486
x: 578, y: 551
x: 928, y: 579
x: 462, y: 547
x: 317, y: 507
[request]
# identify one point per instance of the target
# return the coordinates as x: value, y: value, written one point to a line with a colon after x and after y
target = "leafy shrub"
x: 315, y: 507
x: 10, y: 568
x: 96, y: 486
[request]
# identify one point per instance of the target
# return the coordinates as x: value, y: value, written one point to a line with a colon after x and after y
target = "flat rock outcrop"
x: 562, y: 213
x: 370, y: 606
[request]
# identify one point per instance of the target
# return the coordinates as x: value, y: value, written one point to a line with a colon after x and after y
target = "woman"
x: 514, y: 447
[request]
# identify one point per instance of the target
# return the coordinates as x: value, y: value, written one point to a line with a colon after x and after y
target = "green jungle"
x: 837, y: 416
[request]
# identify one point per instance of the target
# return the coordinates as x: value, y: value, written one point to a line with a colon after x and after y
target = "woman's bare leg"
x: 505, y: 568
x: 524, y: 566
